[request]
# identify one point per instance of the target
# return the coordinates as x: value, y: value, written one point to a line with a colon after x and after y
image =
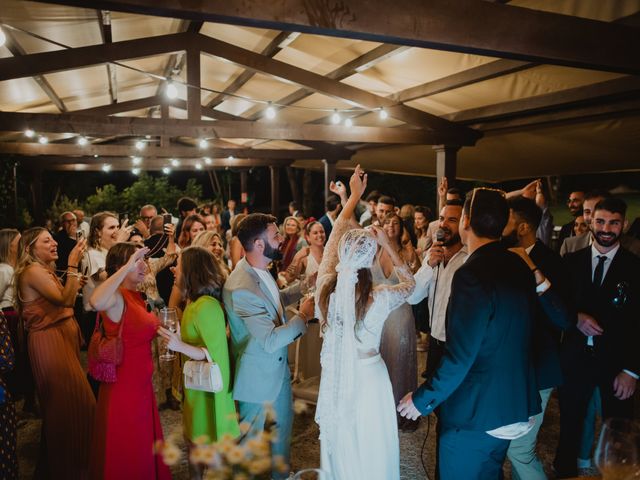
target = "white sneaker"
x: 585, y: 463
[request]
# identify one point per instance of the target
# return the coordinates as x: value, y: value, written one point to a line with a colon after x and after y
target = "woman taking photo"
x: 192, y: 226
x: 46, y: 308
x: 307, y: 260
x: 199, y: 277
x: 127, y: 423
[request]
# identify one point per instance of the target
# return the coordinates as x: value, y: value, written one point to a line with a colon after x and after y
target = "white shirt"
x: 438, y: 291
x: 268, y: 280
x: 93, y: 260
x: 6, y: 285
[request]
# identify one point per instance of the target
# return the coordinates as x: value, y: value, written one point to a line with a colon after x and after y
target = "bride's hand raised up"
x: 358, y: 182
x: 380, y: 235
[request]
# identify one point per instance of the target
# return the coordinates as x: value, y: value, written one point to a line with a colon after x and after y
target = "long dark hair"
x: 363, y: 290
x: 200, y: 274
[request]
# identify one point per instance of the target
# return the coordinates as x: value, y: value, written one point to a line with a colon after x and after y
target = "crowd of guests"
x: 230, y: 275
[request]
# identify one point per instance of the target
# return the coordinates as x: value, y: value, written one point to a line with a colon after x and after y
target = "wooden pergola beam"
x: 124, y: 163
x: 563, y: 99
x: 71, y: 150
x: 104, y: 22
x: 468, y: 26
x: 121, y: 107
x: 334, y: 88
x: 106, y: 126
x: 59, y: 60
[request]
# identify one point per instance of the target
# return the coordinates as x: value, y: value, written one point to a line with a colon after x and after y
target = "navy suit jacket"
x: 326, y: 223
x: 486, y: 378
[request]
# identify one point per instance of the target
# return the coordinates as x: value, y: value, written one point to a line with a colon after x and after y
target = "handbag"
x: 203, y: 375
x: 104, y: 353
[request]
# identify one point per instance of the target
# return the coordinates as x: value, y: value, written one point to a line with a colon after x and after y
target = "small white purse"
x: 202, y: 375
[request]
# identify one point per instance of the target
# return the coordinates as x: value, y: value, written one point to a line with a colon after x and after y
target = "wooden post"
x: 329, y: 176
x: 164, y: 114
x: 446, y: 159
x: 275, y: 190
x: 243, y: 186
x: 193, y: 80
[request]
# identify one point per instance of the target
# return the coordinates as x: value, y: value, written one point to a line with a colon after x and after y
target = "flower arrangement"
x: 245, y: 458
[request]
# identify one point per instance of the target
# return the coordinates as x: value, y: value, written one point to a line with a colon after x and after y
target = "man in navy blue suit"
x: 485, y: 384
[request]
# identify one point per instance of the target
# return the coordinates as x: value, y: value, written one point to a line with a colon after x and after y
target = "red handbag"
x: 104, y: 353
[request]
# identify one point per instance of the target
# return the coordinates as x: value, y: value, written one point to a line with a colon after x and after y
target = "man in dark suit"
x: 520, y: 232
x: 228, y: 214
x: 485, y: 384
x: 333, y: 209
x: 602, y: 350
x: 574, y: 202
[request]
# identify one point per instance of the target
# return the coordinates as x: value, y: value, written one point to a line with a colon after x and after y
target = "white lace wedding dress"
x: 356, y: 410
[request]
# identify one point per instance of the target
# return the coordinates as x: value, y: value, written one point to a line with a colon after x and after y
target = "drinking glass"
x: 618, y: 454
x: 308, y: 286
x: 312, y: 474
x: 169, y: 320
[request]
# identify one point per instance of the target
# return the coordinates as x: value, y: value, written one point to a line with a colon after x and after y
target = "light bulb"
x: 140, y: 145
x: 203, y: 143
x: 3, y: 38
x: 207, y: 160
x: 383, y: 114
x: 171, y: 91
x: 43, y: 140
x: 175, y: 162
x: 270, y: 113
x: 82, y: 141
x: 106, y: 168
x: 230, y: 157
x: 335, y: 118
x: 166, y: 170
x: 135, y: 171
x: 348, y: 123
x: 198, y: 166
x: 29, y: 133
x: 136, y: 160
x: 95, y: 155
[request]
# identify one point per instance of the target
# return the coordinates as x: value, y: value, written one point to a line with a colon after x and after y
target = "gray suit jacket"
x: 259, y: 334
x: 573, y: 244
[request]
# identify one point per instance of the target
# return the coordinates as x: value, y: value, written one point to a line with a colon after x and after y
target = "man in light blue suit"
x: 260, y: 332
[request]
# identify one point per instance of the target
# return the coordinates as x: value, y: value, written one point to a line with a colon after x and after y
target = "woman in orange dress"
x: 66, y: 400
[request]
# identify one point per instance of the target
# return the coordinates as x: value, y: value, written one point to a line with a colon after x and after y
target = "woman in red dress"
x: 127, y: 421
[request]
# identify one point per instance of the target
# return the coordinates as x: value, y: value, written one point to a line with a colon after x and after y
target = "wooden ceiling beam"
x: 104, y: 22
x: 128, y: 106
x: 105, y: 126
x: 59, y: 60
x: 71, y: 150
x: 468, y: 26
x: 563, y: 99
x: 290, y: 73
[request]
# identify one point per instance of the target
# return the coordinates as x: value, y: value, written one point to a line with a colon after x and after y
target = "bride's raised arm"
x: 357, y: 184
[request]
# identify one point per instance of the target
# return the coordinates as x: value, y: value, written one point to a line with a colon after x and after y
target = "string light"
x: 207, y: 160
x: 106, y: 168
x: 135, y: 171
x: 383, y: 114
x: 95, y: 155
x: 140, y: 145
x: 335, y: 118
x: 166, y: 170
x: 171, y: 91
x: 82, y: 141
x: 43, y: 140
x: 270, y: 112
x: 230, y: 157
x: 175, y: 162
x: 29, y: 133
x: 203, y: 143
x: 198, y: 166
x: 136, y: 161
x: 348, y: 123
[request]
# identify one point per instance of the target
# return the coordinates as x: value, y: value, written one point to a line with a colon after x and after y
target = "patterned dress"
x: 8, y: 436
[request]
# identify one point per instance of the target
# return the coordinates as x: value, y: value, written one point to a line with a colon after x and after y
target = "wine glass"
x: 169, y: 320
x: 618, y: 453
x: 312, y: 474
x: 308, y: 286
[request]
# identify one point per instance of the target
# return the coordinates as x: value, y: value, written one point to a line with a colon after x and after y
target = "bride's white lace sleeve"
x: 330, y: 254
x: 390, y: 297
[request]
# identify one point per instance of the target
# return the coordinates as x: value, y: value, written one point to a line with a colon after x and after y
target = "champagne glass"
x: 169, y: 320
x: 312, y: 474
x: 618, y: 452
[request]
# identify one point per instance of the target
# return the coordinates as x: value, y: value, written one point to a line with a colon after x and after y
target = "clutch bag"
x: 203, y: 375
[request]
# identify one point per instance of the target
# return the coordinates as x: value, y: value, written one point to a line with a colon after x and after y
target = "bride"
x: 356, y: 410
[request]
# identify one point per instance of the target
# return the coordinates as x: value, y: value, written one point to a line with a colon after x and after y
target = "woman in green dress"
x: 200, y: 279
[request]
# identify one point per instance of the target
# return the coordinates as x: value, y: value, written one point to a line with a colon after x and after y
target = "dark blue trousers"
x: 470, y: 455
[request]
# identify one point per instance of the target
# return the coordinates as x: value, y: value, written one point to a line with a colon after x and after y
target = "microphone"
x: 440, y: 235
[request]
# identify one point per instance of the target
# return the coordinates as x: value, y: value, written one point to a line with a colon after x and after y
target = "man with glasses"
x: 66, y: 239
x: 143, y: 224
x: 574, y: 202
x: 485, y: 384
x: 602, y: 350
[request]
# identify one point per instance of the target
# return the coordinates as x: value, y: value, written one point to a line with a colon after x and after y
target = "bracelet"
x: 72, y: 266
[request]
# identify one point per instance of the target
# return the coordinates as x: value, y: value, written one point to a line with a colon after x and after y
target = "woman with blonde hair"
x: 292, y: 243
x: 53, y: 338
x: 202, y: 333
x: 212, y: 241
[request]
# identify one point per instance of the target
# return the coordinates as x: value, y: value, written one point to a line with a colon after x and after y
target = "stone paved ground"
x: 305, y: 446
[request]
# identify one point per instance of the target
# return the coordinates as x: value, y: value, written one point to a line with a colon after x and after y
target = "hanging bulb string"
x: 268, y: 103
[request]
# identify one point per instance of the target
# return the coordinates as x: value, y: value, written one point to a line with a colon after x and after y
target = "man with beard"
x: 520, y: 232
x: 601, y: 351
x: 260, y: 333
x: 574, y: 202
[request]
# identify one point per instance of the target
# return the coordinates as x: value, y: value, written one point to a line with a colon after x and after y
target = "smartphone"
x: 166, y: 218
x: 79, y: 235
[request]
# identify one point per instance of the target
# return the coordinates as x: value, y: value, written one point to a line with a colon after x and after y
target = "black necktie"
x: 599, y: 273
